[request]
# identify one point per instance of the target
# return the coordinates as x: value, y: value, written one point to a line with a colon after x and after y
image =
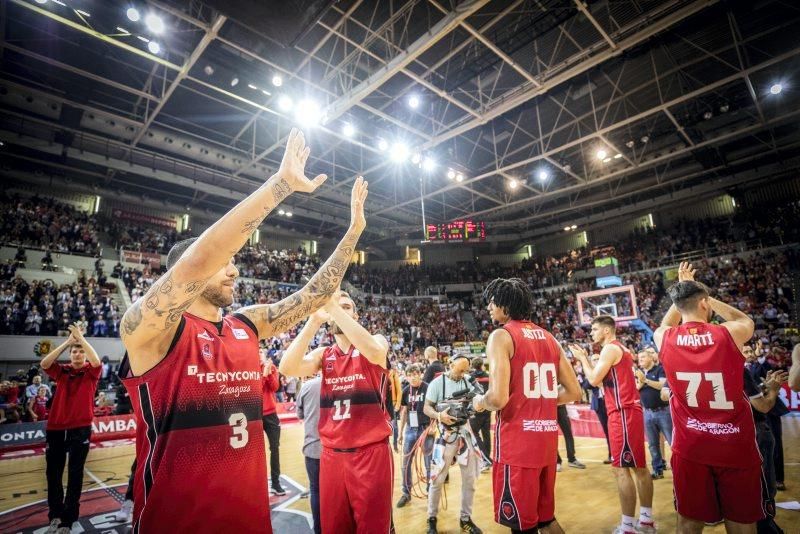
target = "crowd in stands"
x: 46, y: 223
x: 44, y: 308
x: 141, y: 238
x: 288, y: 266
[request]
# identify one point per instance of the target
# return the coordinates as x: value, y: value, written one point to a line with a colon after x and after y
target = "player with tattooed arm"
x: 195, y: 381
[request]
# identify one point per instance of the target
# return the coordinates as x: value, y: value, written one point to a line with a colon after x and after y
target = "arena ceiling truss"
x: 526, y: 114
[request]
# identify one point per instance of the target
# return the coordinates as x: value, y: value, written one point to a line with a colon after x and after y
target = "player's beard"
x: 215, y: 296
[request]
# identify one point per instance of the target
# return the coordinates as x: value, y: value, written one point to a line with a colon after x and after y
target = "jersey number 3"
x: 720, y: 401
x: 238, y: 423
x: 338, y: 412
x: 539, y: 380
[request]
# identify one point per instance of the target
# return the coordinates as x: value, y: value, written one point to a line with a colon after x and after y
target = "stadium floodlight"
x: 513, y: 183
x: 428, y: 164
x: 399, y: 152
x: 413, y: 101
x: 707, y: 115
x: 288, y: 213
x: 277, y: 80
x: 459, y: 177
x: 574, y: 226
x: 566, y: 228
x: 154, y: 23
x: 281, y: 212
x: 451, y: 174
x: 606, y: 160
x: 416, y: 158
x: 383, y: 145
x: 543, y: 175
x: 307, y: 112
x: 776, y: 88
x: 41, y: 1
x: 234, y: 81
x: 602, y: 154
x: 154, y: 47
x: 285, y: 103
x: 617, y: 155
x: 133, y: 14
x: 348, y: 130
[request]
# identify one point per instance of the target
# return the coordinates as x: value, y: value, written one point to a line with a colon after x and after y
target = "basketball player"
x: 715, y: 461
x: 614, y: 370
x: 526, y: 365
x: 196, y: 377
x: 356, y: 468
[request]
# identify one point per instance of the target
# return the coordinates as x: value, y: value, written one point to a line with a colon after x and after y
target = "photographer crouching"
x: 448, y: 401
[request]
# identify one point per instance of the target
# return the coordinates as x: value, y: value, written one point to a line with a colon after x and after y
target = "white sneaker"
x: 54, y: 524
x: 125, y: 513
x: 646, y: 527
x: 622, y: 529
x: 558, y: 468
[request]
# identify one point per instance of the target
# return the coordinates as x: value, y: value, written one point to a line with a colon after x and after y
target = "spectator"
x: 650, y: 379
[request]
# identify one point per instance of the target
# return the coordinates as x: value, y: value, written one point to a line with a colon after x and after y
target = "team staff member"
x: 196, y: 374
x: 716, y: 466
x: 356, y: 468
x: 272, y: 425
x: 614, y: 370
x: 650, y: 379
x: 69, y: 426
x: 435, y: 366
x: 413, y: 424
x: 308, y: 412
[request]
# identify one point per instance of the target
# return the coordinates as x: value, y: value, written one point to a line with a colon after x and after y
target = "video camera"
x: 459, y: 407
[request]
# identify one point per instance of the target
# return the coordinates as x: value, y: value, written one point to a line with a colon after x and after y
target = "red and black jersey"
x: 199, y: 436
x: 619, y: 384
x: 352, y: 411
x: 526, y: 432
x: 711, y: 416
x: 73, y: 403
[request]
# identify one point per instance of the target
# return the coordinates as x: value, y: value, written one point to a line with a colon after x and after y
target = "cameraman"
x: 455, y: 438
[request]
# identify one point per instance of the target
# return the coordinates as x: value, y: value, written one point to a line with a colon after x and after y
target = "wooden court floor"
x: 586, y: 499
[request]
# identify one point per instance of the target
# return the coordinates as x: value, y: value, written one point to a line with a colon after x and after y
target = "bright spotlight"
x: 543, y: 175
x: 413, y: 102
x: 399, y: 153
x: 602, y: 154
x: 617, y: 156
x: 234, y: 81
x: 348, y: 130
x: 566, y: 228
x: 154, y: 47
x: 383, y: 145
x: 574, y: 226
x: 288, y: 213
x: 606, y: 160
x: 281, y: 212
x: 776, y: 88
x: 416, y: 158
x: 451, y: 174
x: 307, y: 112
x: 459, y: 177
x: 285, y: 103
x: 133, y: 14
x: 41, y: 1
x: 428, y: 164
x: 277, y: 81
x: 513, y: 183
x: 707, y: 115
x: 154, y: 23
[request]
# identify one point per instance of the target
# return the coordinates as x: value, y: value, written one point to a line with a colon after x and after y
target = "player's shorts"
x: 710, y: 493
x: 524, y: 497
x: 355, y: 489
x: 626, y: 437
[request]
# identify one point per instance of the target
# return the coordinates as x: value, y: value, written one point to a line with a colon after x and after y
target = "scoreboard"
x: 466, y: 230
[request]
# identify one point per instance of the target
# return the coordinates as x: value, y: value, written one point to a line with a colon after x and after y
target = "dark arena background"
x: 587, y: 148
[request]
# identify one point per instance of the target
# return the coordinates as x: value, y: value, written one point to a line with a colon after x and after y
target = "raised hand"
x: 321, y: 316
x: 685, y: 272
x: 774, y: 379
x: 578, y: 351
x: 76, y: 333
x: 357, y: 199
x: 293, y: 165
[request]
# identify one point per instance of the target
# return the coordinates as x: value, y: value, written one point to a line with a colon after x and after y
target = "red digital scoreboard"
x: 466, y: 230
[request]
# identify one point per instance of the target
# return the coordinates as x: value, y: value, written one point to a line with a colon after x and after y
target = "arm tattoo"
x: 273, y: 319
x: 132, y: 319
x: 281, y: 190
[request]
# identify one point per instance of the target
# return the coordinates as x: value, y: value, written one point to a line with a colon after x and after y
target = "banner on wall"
x: 134, y: 256
x: 103, y: 428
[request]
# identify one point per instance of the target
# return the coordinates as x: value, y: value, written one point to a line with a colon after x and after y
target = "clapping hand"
x: 578, y: 351
x: 685, y: 272
x: 774, y: 379
x: 75, y: 333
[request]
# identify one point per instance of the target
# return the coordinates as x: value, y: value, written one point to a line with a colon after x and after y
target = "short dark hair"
x: 177, y: 250
x: 477, y: 364
x: 685, y: 295
x: 413, y: 368
x: 512, y: 294
x: 605, y: 320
